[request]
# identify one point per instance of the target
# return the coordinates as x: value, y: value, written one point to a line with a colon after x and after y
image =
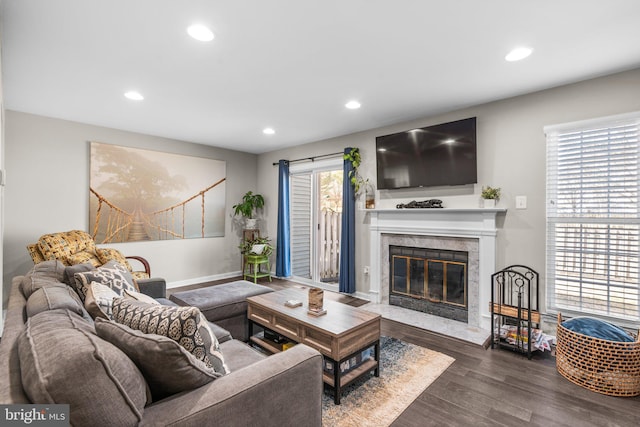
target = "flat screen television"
x: 439, y: 155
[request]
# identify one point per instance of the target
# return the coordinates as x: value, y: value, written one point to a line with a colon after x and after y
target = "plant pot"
x: 489, y: 203
x: 251, y: 223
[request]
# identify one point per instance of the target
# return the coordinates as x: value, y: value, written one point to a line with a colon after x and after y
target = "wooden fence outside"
x: 329, y: 234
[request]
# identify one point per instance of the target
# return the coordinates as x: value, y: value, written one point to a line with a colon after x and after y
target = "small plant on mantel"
x: 490, y: 193
x: 357, y: 181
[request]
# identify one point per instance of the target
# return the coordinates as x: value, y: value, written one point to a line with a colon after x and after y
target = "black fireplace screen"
x: 439, y: 276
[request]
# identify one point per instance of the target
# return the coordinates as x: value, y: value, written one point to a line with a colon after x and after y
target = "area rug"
x: 406, y: 370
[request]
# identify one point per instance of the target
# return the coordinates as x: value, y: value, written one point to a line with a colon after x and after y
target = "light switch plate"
x: 521, y: 202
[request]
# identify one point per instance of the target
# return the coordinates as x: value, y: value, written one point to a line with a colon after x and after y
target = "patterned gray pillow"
x: 114, y: 275
x: 185, y: 325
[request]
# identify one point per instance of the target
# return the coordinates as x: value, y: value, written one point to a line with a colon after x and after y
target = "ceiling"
x: 293, y: 64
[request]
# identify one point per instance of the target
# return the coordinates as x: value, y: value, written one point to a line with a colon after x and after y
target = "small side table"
x: 252, y: 269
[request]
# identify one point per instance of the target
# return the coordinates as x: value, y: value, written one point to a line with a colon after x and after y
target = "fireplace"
x: 470, y: 230
x: 430, y: 280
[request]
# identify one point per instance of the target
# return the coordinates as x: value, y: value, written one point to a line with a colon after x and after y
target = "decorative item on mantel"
x: 431, y: 203
x: 316, y: 297
x: 490, y: 196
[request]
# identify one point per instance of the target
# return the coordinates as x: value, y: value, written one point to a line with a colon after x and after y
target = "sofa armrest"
x: 155, y: 287
x: 280, y: 390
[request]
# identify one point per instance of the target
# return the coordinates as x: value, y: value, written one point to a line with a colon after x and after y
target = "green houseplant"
x: 250, y: 204
x: 357, y: 181
x: 490, y: 196
x: 259, y: 244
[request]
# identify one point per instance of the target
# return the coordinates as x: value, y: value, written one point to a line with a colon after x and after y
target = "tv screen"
x: 439, y: 155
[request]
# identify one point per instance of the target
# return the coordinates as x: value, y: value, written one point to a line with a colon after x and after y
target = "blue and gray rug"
x: 406, y: 370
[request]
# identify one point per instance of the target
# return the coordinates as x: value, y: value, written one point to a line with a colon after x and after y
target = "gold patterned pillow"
x: 82, y: 258
x: 185, y: 325
x: 109, y: 254
x: 61, y: 245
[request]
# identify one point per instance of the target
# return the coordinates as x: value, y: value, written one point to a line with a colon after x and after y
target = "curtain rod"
x: 313, y: 158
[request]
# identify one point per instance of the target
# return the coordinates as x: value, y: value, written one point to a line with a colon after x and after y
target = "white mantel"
x: 479, y: 223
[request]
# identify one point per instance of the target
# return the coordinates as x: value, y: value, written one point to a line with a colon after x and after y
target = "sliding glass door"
x: 316, y: 209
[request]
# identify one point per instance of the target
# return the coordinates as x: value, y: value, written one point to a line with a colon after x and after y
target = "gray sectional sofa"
x: 50, y: 353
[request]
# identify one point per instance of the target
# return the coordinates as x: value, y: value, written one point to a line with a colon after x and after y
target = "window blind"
x: 593, y: 217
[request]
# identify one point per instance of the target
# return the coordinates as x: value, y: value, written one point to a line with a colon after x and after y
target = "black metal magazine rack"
x: 514, y: 308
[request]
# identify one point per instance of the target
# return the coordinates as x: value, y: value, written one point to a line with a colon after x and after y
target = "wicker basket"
x: 607, y: 367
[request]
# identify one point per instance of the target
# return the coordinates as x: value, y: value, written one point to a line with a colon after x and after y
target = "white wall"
x: 47, y: 190
x: 511, y: 155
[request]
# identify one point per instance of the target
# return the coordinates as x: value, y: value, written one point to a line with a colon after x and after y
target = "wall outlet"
x: 366, y: 269
x: 521, y: 202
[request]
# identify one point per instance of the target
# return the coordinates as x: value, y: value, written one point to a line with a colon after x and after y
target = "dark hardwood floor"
x: 493, y: 387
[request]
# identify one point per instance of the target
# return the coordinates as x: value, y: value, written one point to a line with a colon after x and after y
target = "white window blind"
x: 593, y: 217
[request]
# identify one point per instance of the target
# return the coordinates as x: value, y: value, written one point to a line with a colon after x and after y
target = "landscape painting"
x: 138, y: 195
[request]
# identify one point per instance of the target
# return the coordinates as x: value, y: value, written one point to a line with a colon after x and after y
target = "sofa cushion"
x: 221, y: 301
x: 165, y: 364
x: 53, y: 297
x: 185, y: 325
x: 62, y: 360
x: 240, y: 355
x: 48, y: 273
x: 112, y: 274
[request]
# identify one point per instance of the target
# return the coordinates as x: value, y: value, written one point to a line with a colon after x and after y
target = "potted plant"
x: 490, y: 196
x: 357, y: 181
x: 249, y: 205
x: 257, y: 246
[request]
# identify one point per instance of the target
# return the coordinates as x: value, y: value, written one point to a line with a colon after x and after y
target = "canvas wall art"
x: 138, y: 195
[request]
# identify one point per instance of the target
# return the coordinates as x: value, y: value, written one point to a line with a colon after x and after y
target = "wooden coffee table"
x: 343, y: 333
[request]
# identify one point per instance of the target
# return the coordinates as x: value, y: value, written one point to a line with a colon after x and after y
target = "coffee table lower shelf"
x: 337, y: 380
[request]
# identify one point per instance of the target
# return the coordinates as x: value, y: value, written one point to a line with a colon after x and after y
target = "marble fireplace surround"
x: 470, y: 230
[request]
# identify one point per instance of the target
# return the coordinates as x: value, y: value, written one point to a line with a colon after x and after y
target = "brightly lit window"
x: 593, y: 217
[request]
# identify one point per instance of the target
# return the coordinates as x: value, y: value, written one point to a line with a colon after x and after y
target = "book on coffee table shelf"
x: 274, y: 337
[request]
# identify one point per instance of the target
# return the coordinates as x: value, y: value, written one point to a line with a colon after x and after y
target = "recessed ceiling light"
x: 133, y: 95
x: 200, y: 32
x: 518, y: 53
x: 268, y: 131
x: 352, y: 105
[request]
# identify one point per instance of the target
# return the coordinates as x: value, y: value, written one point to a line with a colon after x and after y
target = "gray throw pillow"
x: 185, y: 325
x: 165, y: 364
x: 70, y: 271
x: 62, y: 360
x: 114, y: 275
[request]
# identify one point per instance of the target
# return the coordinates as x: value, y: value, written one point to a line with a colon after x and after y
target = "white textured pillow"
x: 98, y: 300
